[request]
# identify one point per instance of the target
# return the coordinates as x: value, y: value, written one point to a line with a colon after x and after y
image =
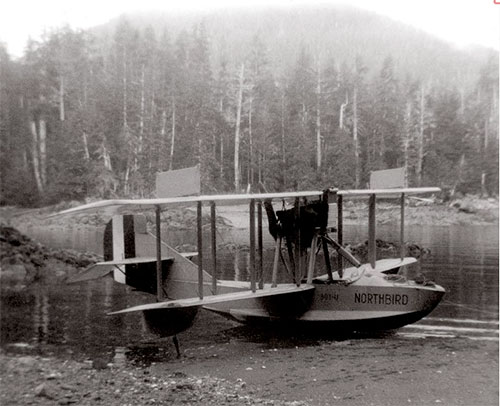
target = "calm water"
x: 70, y: 320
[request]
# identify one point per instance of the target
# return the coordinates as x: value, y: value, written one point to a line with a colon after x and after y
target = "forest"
x: 291, y: 100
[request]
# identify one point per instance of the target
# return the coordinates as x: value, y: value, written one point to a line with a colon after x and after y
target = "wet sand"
x: 387, y: 370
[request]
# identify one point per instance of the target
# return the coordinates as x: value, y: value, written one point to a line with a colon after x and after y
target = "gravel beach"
x: 370, y: 371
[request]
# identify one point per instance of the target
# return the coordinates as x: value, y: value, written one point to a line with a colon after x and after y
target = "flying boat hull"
x: 373, y: 301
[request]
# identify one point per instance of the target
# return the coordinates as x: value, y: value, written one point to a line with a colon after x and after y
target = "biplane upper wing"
x: 117, y: 206
x: 226, y: 297
x: 395, y: 192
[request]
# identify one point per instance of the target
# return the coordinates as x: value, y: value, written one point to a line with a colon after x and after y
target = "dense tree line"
x: 82, y: 117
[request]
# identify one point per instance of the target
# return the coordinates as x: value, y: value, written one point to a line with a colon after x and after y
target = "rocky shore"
x: 25, y: 260
x: 35, y: 380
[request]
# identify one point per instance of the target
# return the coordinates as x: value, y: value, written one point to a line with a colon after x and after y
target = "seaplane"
x: 350, y: 296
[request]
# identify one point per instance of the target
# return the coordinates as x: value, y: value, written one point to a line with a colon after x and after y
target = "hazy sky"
x: 461, y: 22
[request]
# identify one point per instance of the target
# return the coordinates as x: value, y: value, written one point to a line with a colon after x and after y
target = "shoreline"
x: 389, y: 370
x: 469, y: 210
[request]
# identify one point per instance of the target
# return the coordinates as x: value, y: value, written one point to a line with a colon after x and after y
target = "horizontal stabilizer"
x: 133, y: 261
x: 227, y: 297
x: 382, y: 266
x: 91, y: 273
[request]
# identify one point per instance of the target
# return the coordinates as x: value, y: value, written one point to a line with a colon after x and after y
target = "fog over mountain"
x: 333, y: 33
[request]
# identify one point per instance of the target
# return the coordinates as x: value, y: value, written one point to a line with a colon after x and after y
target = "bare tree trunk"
x: 250, y: 142
x: 106, y: 157
x: 237, y: 174
x: 318, y: 121
x: 163, y: 132
x: 43, y: 150
x: 86, y: 151
x: 221, y: 148
x: 35, y: 154
x: 484, y: 191
x: 85, y: 141
x: 214, y: 146
x: 458, y: 179
x: 357, y: 170
x: 259, y: 170
x: 221, y: 157
x: 406, y: 141
x: 283, y: 152
x: 124, y: 89
x: 126, y: 188
x: 25, y: 161
x: 150, y: 135
x: 172, y: 140
x: 342, y: 111
x: 138, y: 148
x: 420, y: 138
x: 141, y: 117
x: 61, y: 98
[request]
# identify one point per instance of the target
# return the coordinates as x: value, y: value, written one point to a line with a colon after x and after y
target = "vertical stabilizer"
x: 126, y: 236
x: 119, y: 243
x: 118, y: 247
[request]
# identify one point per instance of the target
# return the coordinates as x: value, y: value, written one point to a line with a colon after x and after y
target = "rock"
x: 27, y: 361
x: 99, y: 364
x: 42, y: 391
x: 29, y: 258
x: 12, y: 273
x: 67, y: 401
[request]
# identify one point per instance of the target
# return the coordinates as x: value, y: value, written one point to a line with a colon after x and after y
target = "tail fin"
x: 119, y: 240
x: 126, y: 236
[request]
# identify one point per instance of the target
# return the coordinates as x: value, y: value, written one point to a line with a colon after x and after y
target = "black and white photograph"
x: 249, y: 202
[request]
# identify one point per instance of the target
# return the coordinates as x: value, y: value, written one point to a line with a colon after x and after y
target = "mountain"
x: 334, y: 33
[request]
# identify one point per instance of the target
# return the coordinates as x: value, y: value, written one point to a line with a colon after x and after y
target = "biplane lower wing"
x: 216, y: 299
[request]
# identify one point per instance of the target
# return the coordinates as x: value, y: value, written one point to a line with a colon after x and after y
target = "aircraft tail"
x: 126, y: 237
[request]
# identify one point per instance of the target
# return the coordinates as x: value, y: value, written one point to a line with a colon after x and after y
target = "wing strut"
x: 200, y: 249
x: 159, y: 273
x: 384, y: 193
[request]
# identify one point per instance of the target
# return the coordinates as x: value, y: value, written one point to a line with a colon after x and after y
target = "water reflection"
x: 41, y: 316
x: 72, y: 319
